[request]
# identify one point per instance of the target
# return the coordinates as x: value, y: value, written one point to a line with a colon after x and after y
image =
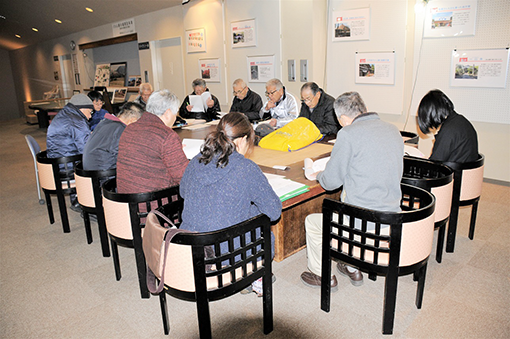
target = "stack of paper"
x: 192, y: 147
x: 285, y: 188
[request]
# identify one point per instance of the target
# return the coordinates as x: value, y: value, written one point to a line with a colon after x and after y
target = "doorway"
x: 168, y: 67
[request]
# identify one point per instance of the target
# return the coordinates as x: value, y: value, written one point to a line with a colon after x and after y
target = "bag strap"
x: 165, y: 218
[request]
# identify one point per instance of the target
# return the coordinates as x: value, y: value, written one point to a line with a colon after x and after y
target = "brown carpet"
x: 54, y: 285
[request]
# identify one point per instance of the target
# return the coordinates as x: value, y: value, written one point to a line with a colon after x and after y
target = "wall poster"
x: 375, y: 68
x: 450, y: 18
x: 209, y: 69
x: 351, y: 25
x: 479, y: 68
x: 244, y: 33
x: 260, y: 68
x: 195, y: 40
x: 102, y: 77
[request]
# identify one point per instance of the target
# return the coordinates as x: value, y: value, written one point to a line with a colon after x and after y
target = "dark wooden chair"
x: 438, y: 180
x: 88, y: 190
x: 399, y: 244
x: 56, y: 176
x: 191, y: 276
x: 467, y: 189
x: 125, y: 216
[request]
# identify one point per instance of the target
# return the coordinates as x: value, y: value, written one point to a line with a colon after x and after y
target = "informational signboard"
x: 375, y: 68
x: 479, y: 68
x: 195, y: 40
x: 209, y: 69
x: 260, y: 68
x: 351, y: 25
x: 448, y: 18
x: 244, y: 33
x: 124, y: 27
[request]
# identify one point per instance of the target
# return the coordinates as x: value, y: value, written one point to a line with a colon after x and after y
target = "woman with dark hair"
x: 221, y: 187
x: 99, y: 111
x: 456, y: 139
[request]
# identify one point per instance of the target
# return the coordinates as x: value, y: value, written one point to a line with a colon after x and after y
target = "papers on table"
x: 413, y: 151
x: 199, y: 102
x: 192, y: 147
x: 221, y: 114
x: 285, y: 188
x: 312, y: 167
x: 194, y: 124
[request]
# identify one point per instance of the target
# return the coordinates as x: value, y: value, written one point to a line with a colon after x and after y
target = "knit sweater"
x: 150, y: 156
x: 367, y: 160
x: 216, y: 198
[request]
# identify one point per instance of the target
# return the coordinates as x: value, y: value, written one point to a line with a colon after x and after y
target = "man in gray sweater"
x: 367, y: 160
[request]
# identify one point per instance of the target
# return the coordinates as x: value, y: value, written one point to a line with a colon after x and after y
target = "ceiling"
x: 22, y: 15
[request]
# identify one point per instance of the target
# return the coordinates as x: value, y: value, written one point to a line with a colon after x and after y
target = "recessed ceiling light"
x: 58, y: 21
x: 89, y: 9
x: 2, y: 17
x: 35, y: 29
x: 18, y: 36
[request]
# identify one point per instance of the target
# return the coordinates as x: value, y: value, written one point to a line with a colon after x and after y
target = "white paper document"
x: 199, y: 102
x: 192, y: 147
x: 285, y: 188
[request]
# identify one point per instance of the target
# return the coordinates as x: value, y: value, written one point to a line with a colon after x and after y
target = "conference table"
x: 289, y: 231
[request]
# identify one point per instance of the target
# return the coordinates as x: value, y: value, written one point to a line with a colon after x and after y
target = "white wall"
x: 296, y: 29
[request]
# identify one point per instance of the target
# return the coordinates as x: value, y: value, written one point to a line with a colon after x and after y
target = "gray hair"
x: 275, y: 82
x: 131, y: 109
x: 162, y: 100
x: 311, y: 86
x: 239, y: 82
x: 145, y: 87
x: 349, y: 104
x: 198, y: 82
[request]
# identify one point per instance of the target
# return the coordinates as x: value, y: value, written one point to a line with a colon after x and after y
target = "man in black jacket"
x: 318, y: 107
x: 245, y: 101
x: 100, y: 152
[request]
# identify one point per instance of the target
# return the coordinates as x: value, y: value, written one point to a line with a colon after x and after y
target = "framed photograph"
x: 119, y: 94
x: 209, y: 69
x: 134, y: 81
x: 195, y: 40
x: 243, y: 33
x: 102, y: 77
x: 118, y: 74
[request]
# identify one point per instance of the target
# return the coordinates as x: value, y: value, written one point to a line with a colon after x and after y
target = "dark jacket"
x: 323, y: 115
x: 67, y: 133
x: 250, y: 105
x: 210, y: 114
x: 97, y: 117
x: 100, y: 152
x: 456, y: 141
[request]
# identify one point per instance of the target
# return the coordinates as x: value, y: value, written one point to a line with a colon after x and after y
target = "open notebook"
x: 285, y: 188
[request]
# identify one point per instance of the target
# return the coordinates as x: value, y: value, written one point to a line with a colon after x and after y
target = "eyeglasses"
x: 307, y: 100
x: 268, y: 94
x: 239, y: 92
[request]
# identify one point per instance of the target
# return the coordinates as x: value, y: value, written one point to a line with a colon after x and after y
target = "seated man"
x: 99, y: 111
x: 281, y: 106
x: 145, y: 92
x: 213, y: 105
x: 101, y: 149
x: 69, y: 130
x: 245, y: 101
x: 367, y: 161
x: 318, y: 107
x: 150, y: 152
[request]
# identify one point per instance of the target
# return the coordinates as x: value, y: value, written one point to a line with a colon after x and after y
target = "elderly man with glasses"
x: 318, y: 107
x: 246, y: 101
x: 281, y: 106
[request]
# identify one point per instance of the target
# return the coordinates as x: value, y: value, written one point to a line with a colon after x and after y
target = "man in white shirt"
x: 281, y: 106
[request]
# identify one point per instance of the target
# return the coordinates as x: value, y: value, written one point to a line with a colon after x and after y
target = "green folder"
x: 294, y: 193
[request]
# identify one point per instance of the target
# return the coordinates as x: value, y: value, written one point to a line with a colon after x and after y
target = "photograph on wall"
x: 195, y: 40
x: 118, y: 74
x: 244, y: 33
x: 479, y: 68
x: 102, y: 77
x: 209, y: 69
x: 134, y: 80
x: 450, y: 18
x: 260, y: 68
x: 375, y: 68
x: 351, y: 25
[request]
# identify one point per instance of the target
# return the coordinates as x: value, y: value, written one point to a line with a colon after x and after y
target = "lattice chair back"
x: 380, y: 243
x: 210, y: 266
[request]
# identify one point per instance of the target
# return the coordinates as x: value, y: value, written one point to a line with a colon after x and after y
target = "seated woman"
x: 221, y: 187
x: 99, y: 111
x: 455, y: 139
